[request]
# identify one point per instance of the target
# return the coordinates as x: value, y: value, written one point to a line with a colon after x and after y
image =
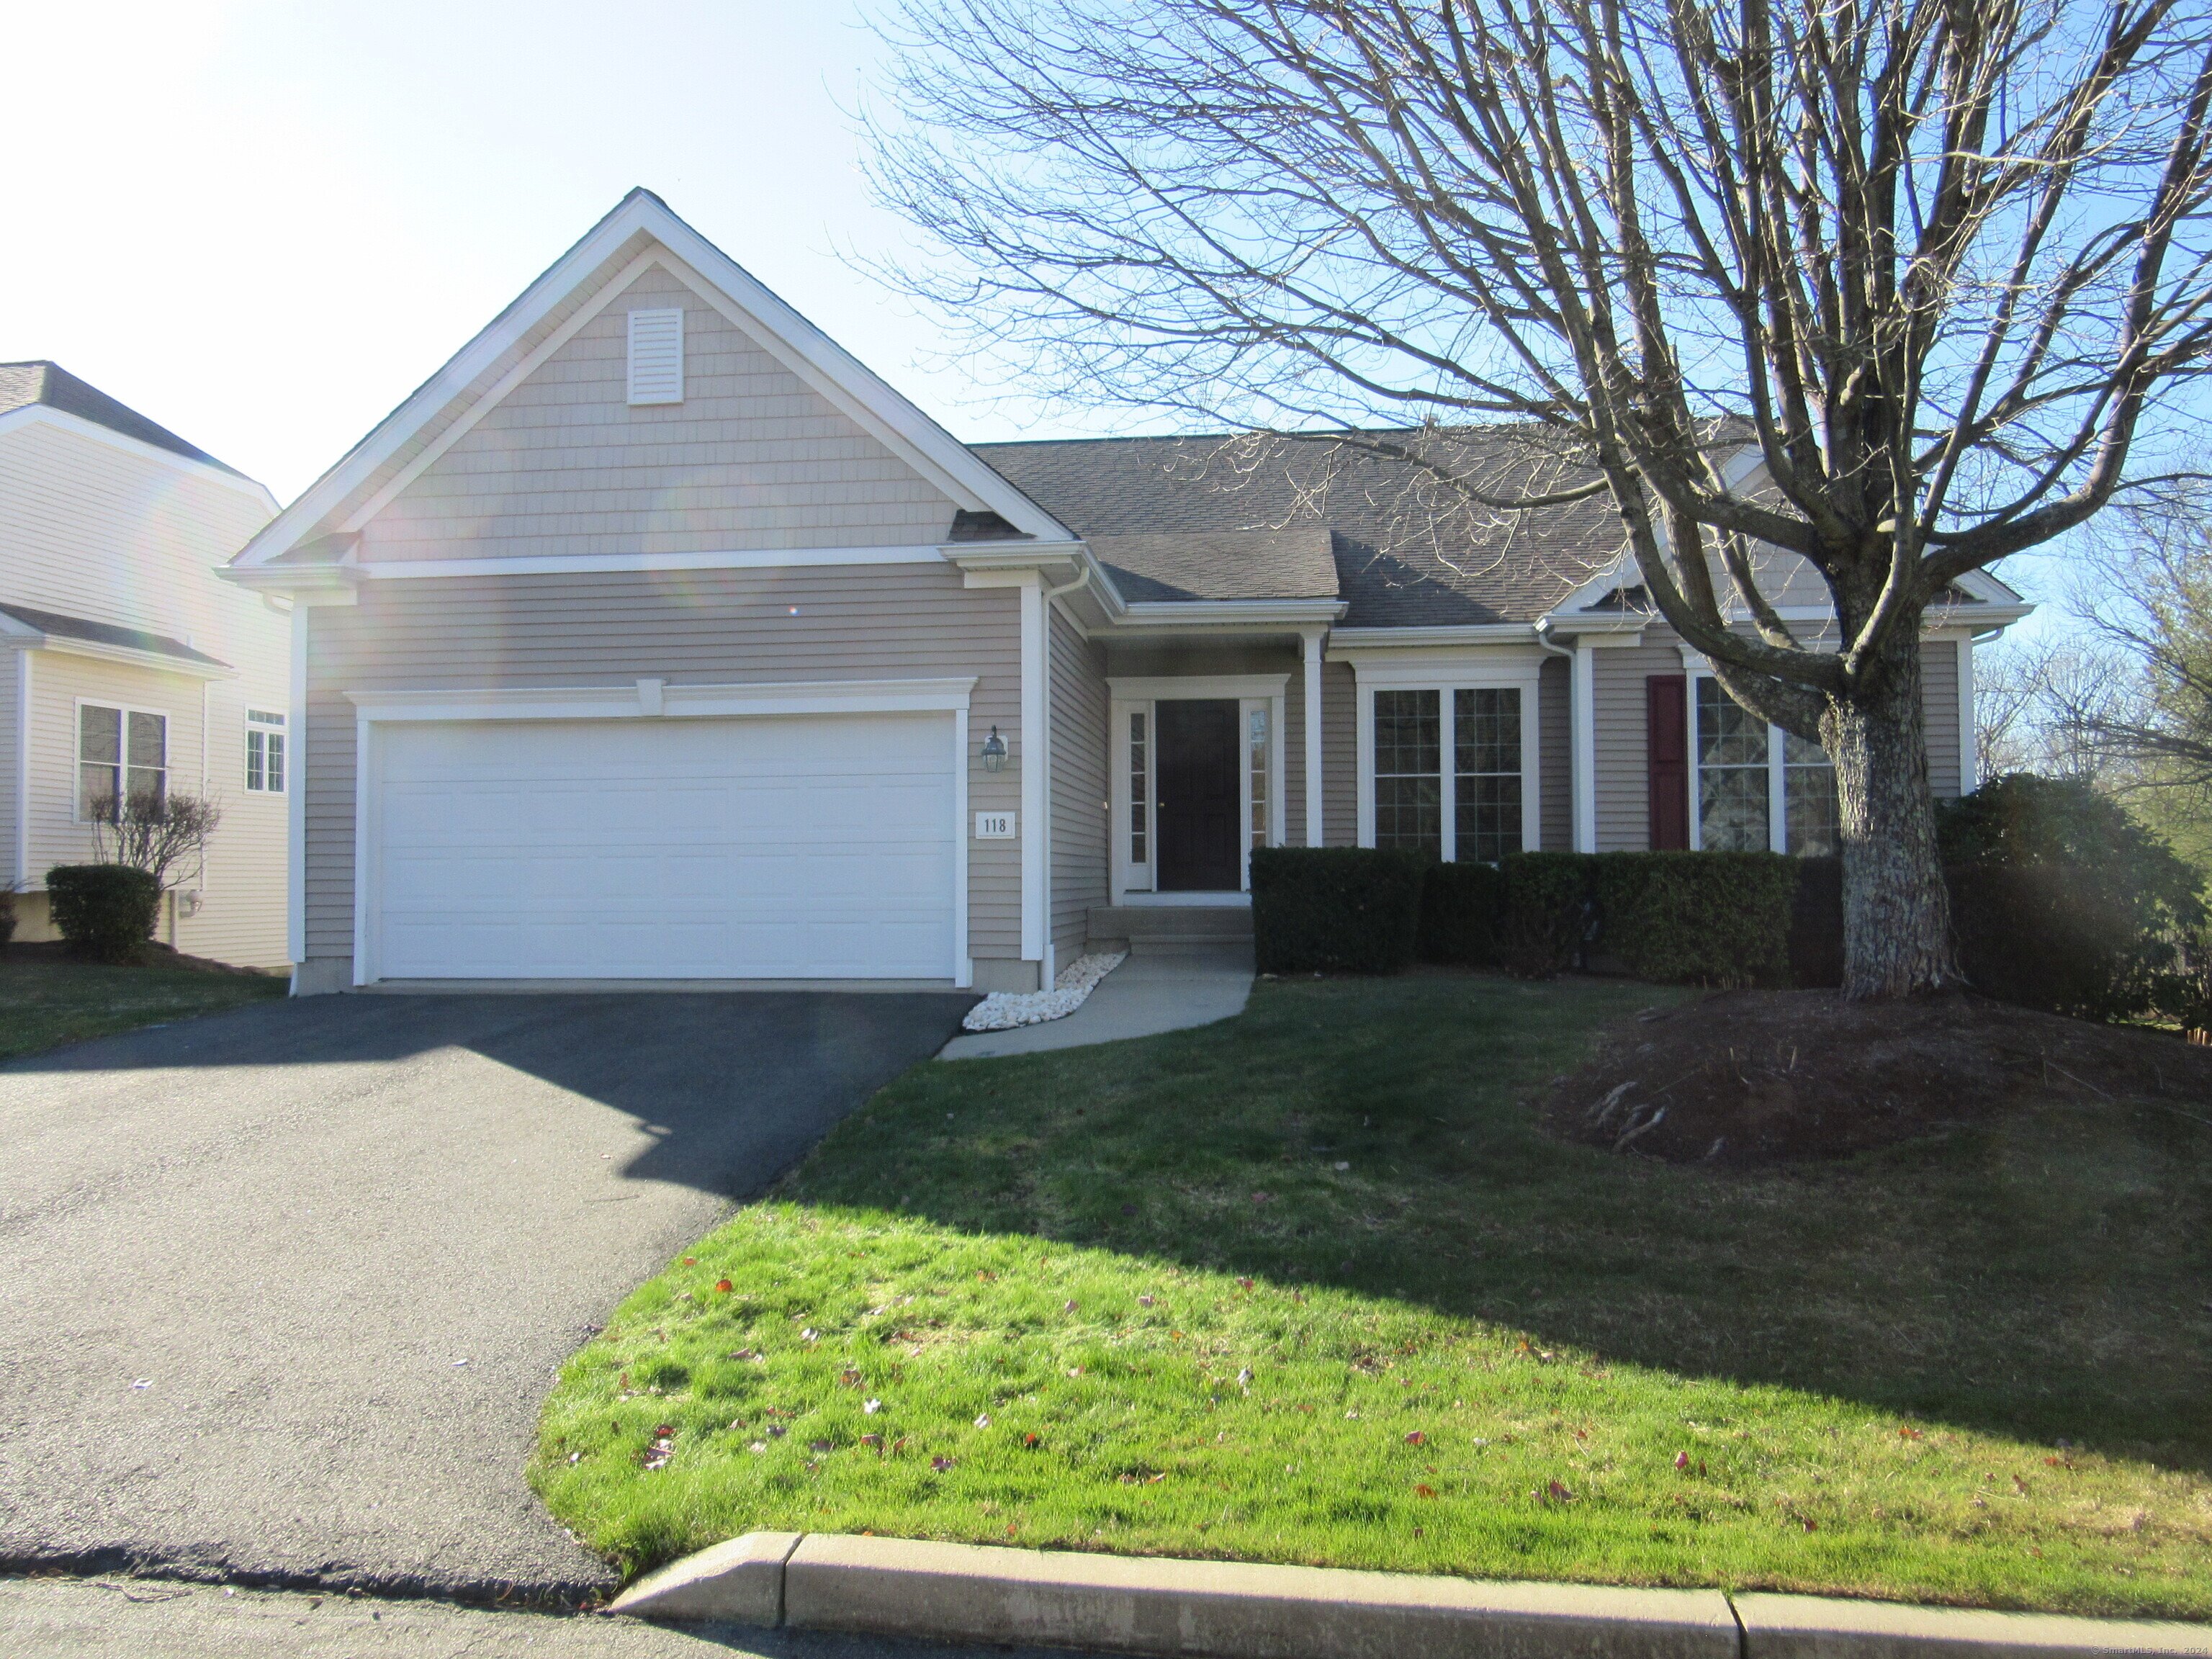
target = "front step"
x: 1153, y: 929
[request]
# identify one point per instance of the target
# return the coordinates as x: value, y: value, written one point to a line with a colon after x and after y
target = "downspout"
x: 1582, y: 735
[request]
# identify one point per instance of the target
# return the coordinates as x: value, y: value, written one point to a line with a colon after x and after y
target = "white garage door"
x: 803, y: 847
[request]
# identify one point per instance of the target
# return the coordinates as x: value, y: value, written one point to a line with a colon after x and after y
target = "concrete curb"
x: 976, y: 1593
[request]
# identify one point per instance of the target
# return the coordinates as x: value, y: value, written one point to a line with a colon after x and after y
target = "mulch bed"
x: 1746, y: 1079
x: 57, y: 954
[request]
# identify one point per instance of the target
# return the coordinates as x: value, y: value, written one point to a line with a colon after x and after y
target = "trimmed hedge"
x: 106, y: 911
x: 1548, y: 913
x: 1699, y: 918
x: 1334, y: 910
x: 1460, y: 909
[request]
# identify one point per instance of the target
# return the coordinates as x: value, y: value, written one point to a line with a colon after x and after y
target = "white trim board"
x: 647, y: 698
x: 756, y: 558
x: 815, y: 359
x: 1169, y: 688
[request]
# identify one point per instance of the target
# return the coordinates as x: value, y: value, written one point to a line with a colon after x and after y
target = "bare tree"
x: 157, y: 830
x: 2038, y: 706
x: 1900, y: 289
x: 2151, y: 606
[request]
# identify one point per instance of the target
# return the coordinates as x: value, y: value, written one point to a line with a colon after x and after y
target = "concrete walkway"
x: 1150, y: 993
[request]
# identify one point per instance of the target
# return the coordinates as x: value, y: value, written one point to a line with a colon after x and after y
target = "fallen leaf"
x: 875, y: 1440
x: 1417, y: 1438
x: 691, y: 1261
x: 1424, y: 1492
x: 1246, y: 1283
x: 850, y: 1379
x: 777, y: 1432
x: 821, y: 1445
x: 1033, y: 1439
x: 940, y: 1465
x: 723, y: 1285
x: 1682, y: 1460
x: 1559, y: 1492
x: 808, y: 1335
x: 758, y: 1446
x: 1907, y: 1432
x: 1068, y: 1306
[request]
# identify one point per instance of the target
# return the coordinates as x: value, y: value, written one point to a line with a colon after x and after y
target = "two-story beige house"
x: 657, y: 640
x: 125, y: 663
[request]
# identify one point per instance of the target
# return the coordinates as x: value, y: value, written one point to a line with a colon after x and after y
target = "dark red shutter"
x: 1667, y: 748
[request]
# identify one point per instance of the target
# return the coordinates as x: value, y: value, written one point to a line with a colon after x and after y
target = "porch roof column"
x: 1309, y: 651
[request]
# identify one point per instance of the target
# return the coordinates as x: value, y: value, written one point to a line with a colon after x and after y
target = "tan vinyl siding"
x: 705, y: 626
x: 11, y: 664
x: 109, y: 532
x: 1554, y: 757
x: 1078, y: 785
x: 1340, y: 756
x: 752, y: 458
x: 1939, y: 698
x: 1624, y: 795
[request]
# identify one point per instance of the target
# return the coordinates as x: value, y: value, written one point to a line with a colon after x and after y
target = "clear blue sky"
x: 261, y: 224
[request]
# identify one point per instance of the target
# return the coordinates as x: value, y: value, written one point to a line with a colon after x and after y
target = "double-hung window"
x: 1760, y: 789
x: 264, y: 751
x: 121, y: 754
x: 1448, y: 771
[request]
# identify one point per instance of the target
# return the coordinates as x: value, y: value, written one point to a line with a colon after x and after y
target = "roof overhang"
x: 20, y: 636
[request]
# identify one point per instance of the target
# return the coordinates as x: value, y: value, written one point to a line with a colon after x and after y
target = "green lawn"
x: 44, y: 1005
x: 1309, y: 1287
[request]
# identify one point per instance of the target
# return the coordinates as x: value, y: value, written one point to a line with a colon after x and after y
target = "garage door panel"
x: 767, y: 849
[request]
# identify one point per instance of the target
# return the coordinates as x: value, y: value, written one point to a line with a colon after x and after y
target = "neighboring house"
x: 654, y: 639
x: 129, y: 663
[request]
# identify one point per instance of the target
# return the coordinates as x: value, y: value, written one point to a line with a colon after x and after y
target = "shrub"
x: 1545, y: 914
x: 7, y: 915
x: 106, y: 911
x: 1459, y: 913
x: 1697, y: 918
x: 2060, y: 901
x: 1341, y: 909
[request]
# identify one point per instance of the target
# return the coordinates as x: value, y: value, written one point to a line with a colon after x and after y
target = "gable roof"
x: 1406, y: 553
x: 1227, y: 516
x: 640, y: 232
x: 40, y: 382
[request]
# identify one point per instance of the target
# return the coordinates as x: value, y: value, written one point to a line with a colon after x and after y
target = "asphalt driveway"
x: 281, y: 1290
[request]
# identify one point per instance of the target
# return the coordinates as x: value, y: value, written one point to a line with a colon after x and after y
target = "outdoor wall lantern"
x: 994, y: 752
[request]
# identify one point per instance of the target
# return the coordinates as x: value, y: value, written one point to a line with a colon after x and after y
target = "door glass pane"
x: 1486, y: 736
x: 1256, y: 764
x: 1732, y: 787
x: 1140, y: 802
x: 1408, y: 781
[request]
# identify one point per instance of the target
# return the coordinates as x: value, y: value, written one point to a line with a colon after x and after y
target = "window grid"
x: 1748, y: 772
x: 1486, y: 741
x: 1408, y: 772
x: 1137, y: 800
x: 121, y: 752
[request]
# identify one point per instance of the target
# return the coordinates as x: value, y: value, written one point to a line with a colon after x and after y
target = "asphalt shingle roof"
x: 24, y: 384
x: 1236, y: 517
x: 100, y: 633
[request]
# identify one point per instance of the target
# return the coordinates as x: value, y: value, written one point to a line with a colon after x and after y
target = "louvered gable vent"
x: 656, y: 356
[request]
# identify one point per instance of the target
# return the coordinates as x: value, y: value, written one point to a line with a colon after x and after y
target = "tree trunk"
x: 1897, y: 912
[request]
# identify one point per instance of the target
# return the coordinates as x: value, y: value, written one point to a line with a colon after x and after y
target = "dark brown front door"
x: 1195, y: 775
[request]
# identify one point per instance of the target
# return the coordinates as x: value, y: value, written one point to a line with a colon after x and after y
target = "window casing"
x: 265, y: 752
x: 1758, y: 789
x: 120, y: 751
x: 1448, y: 768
